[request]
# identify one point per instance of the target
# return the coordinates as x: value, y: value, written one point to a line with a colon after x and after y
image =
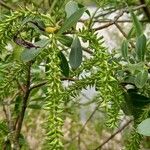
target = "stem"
x: 113, y: 135
x: 24, y: 106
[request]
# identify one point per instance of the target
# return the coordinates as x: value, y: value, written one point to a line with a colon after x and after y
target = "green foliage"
x: 75, y: 57
x: 72, y: 20
x: 144, y: 128
x: 32, y: 74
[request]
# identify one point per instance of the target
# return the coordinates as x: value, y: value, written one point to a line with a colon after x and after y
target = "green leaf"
x: 30, y: 54
x: 65, y: 40
x: 87, y: 11
x: 71, y: 7
x: 35, y: 106
x: 133, y: 68
x: 124, y: 49
x: 72, y: 20
x: 141, y: 47
x: 144, y: 127
x: 141, y: 78
x: 137, y: 24
x: 75, y: 57
x: 64, y: 64
x: 131, y: 33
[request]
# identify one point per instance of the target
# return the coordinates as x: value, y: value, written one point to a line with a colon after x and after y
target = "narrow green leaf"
x: 30, y: 54
x: 71, y: 7
x: 137, y: 24
x: 64, y: 64
x: 141, y: 47
x: 35, y: 106
x: 144, y: 127
x: 124, y: 49
x: 65, y: 40
x: 75, y: 57
x: 131, y: 33
x: 87, y: 11
x: 141, y: 78
x: 72, y: 20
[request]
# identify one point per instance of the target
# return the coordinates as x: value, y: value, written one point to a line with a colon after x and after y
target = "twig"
x: 117, y: 17
x: 81, y: 130
x: 118, y: 21
x: 24, y: 105
x: 124, y: 34
x: 5, y: 5
x: 113, y: 135
x: 45, y: 82
x: 110, y: 23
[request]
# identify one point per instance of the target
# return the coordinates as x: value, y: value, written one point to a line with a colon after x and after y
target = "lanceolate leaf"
x: 72, y: 20
x: 137, y: 24
x: 141, y: 47
x: 65, y: 40
x: 141, y: 78
x: 75, y: 57
x: 64, y: 64
x: 71, y: 7
x: 124, y: 49
x: 30, y: 54
x: 144, y: 127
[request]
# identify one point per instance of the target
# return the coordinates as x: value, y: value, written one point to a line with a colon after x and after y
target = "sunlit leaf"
x: 72, y: 20
x: 75, y: 57
x: 137, y: 24
x: 141, y: 78
x: 71, y: 7
x: 65, y: 40
x: 144, y: 127
x: 30, y: 54
x: 141, y: 47
x: 124, y: 49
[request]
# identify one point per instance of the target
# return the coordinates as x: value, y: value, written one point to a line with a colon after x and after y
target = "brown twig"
x: 124, y: 34
x: 45, y: 82
x: 118, y: 21
x: 113, y: 135
x: 5, y: 5
x: 146, y: 9
x: 83, y: 127
x: 24, y: 105
x: 117, y: 17
x: 110, y: 23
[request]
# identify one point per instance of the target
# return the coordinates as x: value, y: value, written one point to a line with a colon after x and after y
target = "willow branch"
x: 124, y: 34
x: 113, y: 135
x: 117, y: 17
x: 45, y: 82
x: 83, y: 127
x: 5, y: 5
x: 24, y: 104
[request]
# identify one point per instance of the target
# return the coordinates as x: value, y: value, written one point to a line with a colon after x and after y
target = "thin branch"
x: 124, y: 34
x: 83, y: 127
x: 113, y: 135
x: 87, y: 50
x: 110, y: 23
x: 5, y: 5
x: 90, y: 117
x: 24, y: 104
x: 117, y: 17
x: 45, y: 82
x: 118, y: 21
